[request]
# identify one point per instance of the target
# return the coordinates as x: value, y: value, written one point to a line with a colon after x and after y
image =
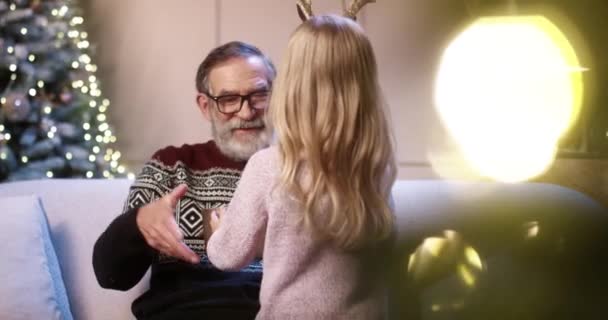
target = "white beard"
x: 239, y: 150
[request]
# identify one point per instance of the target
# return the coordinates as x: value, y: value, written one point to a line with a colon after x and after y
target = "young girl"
x: 317, y: 203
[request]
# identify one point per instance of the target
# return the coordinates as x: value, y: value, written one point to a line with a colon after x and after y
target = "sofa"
x: 442, y: 226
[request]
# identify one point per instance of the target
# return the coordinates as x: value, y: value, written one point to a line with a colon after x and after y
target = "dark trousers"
x: 206, y: 313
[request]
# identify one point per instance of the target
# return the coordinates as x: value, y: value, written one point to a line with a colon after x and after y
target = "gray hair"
x: 225, y: 52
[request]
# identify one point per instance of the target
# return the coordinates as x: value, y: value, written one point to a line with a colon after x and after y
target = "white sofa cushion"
x: 78, y: 210
x: 31, y: 285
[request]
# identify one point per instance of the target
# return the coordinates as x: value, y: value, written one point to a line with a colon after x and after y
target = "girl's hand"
x: 216, y: 218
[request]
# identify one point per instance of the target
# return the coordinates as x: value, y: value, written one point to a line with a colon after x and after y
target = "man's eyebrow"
x: 227, y: 93
x: 258, y: 88
x: 261, y: 87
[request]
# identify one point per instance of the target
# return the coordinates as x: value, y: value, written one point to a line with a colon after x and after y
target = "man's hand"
x: 156, y: 221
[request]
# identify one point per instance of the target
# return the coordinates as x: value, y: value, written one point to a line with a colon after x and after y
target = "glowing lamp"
x: 507, y: 89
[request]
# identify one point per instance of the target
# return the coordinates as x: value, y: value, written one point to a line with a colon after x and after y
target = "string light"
x: 91, y: 68
x: 116, y: 156
x: 12, y: 67
x: 101, y: 117
x: 87, y: 137
x: 89, y: 174
x: 83, y: 44
x: 99, y: 139
x: 84, y: 35
x: 86, y: 126
x: 12, y: 7
x: 7, y: 136
x: 40, y: 84
x: 63, y: 10
x: 24, y: 159
x: 51, y: 135
x: 3, y: 100
x: 108, y: 133
x: 92, y: 158
x: 106, y: 174
x: 13, y: 76
x: 92, y: 79
x: 77, y: 20
x: 103, y: 109
x: 84, y: 89
x: 32, y: 92
x: 93, y: 104
x: 68, y: 155
x: 96, y: 149
x: 113, y: 164
x: 47, y: 109
x: 121, y: 169
x: 55, y: 12
x: 3, y: 156
x: 131, y: 176
x: 10, y: 50
x: 85, y: 59
x: 1, y: 127
x: 24, y: 31
x: 49, y: 174
x: 31, y: 58
x: 75, y: 64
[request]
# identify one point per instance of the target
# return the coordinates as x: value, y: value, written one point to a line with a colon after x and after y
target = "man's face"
x: 241, y: 134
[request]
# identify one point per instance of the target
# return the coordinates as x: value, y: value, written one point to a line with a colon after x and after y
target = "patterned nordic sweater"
x: 121, y: 256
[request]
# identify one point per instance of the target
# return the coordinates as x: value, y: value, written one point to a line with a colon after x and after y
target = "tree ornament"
x: 16, y: 108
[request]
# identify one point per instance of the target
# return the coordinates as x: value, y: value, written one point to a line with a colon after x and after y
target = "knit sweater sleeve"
x: 121, y: 255
x: 241, y: 233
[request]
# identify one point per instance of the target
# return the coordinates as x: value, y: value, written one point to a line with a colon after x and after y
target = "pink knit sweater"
x: 303, y: 278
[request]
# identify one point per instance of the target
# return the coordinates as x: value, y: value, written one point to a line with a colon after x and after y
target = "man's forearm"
x: 121, y: 256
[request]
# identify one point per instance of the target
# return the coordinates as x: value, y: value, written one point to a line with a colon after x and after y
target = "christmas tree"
x: 53, y: 120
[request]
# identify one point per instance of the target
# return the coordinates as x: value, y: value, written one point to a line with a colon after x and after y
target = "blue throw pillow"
x: 31, y: 285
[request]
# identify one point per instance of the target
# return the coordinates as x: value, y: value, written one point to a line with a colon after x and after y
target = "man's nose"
x: 246, y: 112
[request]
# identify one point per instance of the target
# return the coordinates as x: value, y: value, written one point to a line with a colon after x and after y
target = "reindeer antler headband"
x: 305, y: 8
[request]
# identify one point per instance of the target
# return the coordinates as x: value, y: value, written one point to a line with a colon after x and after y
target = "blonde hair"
x: 334, y: 140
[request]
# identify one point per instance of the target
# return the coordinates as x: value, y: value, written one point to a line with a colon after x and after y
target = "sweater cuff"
x: 127, y: 223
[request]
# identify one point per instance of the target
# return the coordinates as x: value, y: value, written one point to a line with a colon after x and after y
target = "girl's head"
x: 328, y: 115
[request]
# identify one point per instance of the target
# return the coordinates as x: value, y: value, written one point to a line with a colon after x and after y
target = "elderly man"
x: 165, y: 224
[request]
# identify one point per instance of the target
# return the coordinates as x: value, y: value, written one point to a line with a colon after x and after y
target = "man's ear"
x: 204, y: 105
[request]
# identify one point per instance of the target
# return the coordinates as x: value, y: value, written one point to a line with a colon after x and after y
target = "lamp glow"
x: 507, y: 89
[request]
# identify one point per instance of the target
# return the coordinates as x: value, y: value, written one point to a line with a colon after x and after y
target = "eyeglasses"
x: 233, y: 103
